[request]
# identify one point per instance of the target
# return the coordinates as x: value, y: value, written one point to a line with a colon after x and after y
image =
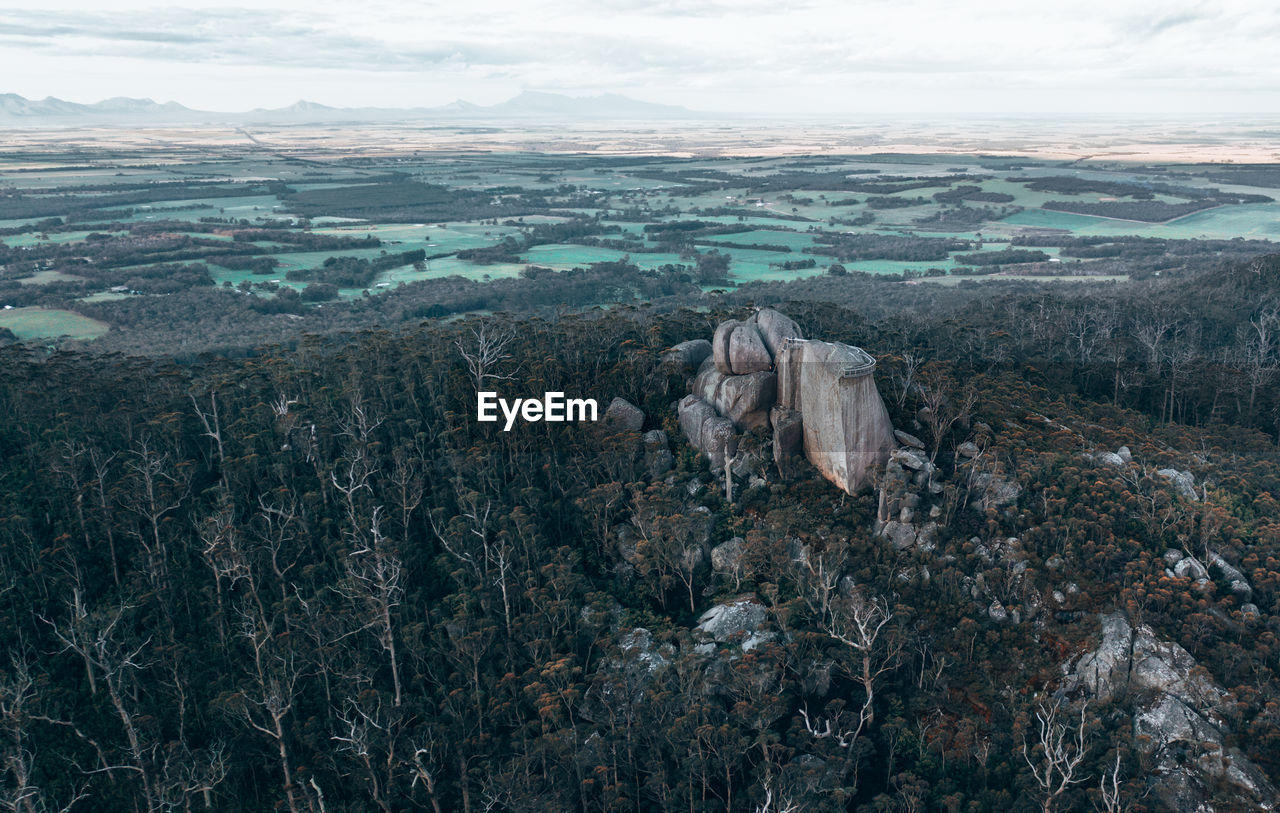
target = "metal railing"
x: 857, y: 362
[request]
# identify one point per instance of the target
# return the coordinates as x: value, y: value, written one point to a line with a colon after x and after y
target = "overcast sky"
x: 807, y: 56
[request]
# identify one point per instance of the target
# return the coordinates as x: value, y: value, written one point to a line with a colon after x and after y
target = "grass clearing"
x: 48, y: 323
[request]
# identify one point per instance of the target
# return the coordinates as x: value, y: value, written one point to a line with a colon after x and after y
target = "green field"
x: 42, y: 323
x: 550, y: 207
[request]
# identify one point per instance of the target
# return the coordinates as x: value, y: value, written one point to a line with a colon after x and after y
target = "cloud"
x: 834, y: 51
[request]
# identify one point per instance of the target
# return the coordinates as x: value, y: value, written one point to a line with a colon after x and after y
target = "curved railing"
x: 861, y: 364
x: 855, y: 362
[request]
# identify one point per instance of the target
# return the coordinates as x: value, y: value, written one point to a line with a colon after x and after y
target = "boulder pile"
x: 814, y: 399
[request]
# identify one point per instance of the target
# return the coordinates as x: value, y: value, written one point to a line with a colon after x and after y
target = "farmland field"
x: 40, y: 323
x: 102, y: 234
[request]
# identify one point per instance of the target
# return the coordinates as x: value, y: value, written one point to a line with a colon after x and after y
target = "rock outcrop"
x: 623, y: 416
x: 726, y: 558
x: 744, y: 399
x: 737, y: 622
x: 788, y: 440
x: 847, y: 432
x: 658, y: 459
x: 1178, y: 719
x: 818, y: 398
x: 1183, y: 482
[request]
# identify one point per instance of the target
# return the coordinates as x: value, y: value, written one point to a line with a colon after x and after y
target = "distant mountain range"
x: 530, y: 105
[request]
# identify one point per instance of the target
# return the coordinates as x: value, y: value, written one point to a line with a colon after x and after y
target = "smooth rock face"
x: 1124, y: 454
x: 746, y: 399
x: 1176, y: 719
x: 688, y: 356
x: 720, y: 345
x: 1110, y: 459
x: 1190, y: 568
x: 847, y: 433
x: 775, y: 329
x: 910, y: 458
x: 743, y: 399
x: 789, y: 364
x: 706, y: 384
x: 968, y: 449
x: 902, y: 535
x: 747, y: 353
x: 623, y: 416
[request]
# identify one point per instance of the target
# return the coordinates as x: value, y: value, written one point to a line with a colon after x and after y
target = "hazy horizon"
x: 807, y: 58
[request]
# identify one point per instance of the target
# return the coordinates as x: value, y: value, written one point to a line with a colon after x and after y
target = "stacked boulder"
x: 816, y: 399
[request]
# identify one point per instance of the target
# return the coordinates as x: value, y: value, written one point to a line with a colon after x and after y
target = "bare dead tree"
x: 212, y: 425
x: 266, y: 703
x: 70, y: 465
x: 485, y: 353
x: 1056, y: 757
x: 101, y: 464
x: 779, y: 805
x: 427, y: 758
x: 946, y: 403
x: 161, y: 489
x: 97, y: 637
x: 858, y: 622
x: 191, y: 774
x: 373, y: 584
x: 1109, y: 787
x: 367, y: 736
x: 222, y: 551
x: 465, y: 536
x: 407, y: 479
x: 17, y: 692
x: 1260, y: 353
x: 903, y: 377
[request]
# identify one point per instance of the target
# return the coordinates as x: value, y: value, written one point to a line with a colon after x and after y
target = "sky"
x: 810, y: 57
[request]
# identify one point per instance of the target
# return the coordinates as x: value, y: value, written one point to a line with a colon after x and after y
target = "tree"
x: 1056, y: 757
x: 485, y: 353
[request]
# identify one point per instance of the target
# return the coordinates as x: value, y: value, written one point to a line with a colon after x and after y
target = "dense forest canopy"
x: 307, y: 574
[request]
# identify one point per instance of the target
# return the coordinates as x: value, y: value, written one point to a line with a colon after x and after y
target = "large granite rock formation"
x: 817, y: 397
x: 788, y: 440
x: 847, y: 432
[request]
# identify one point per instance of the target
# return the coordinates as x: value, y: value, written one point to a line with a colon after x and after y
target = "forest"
x: 305, y: 579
